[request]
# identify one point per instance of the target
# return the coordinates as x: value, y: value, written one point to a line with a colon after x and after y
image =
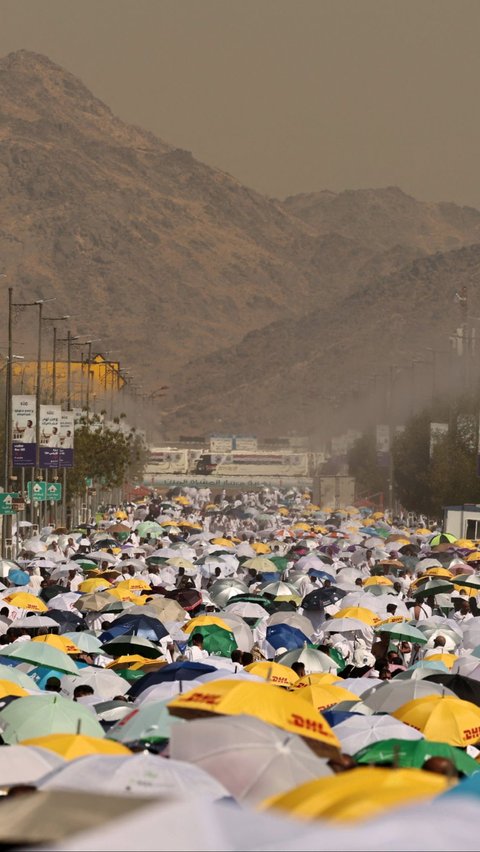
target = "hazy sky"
x: 287, y: 95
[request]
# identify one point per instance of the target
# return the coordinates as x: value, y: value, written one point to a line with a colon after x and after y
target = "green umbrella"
x: 216, y: 640
x: 281, y: 562
x: 156, y: 560
x: 442, y: 538
x: 130, y: 675
x: 414, y: 753
x: 40, y: 654
x: 433, y: 587
x: 402, y: 631
x: 14, y: 675
x: 149, y: 723
x: 149, y: 528
x: 86, y: 564
x: 41, y: 715
x: 85, y: 641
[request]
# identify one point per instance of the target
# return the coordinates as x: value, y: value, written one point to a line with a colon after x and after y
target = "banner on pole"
x: 24, y: 447
x: 437, y: 432
x: 67, y: 432
x: 383, y: 445
x: 49, y: 435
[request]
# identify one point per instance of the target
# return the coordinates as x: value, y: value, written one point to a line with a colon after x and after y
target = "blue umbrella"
x: 466, y: 787
x: 269, y: 577
x: 173, y: 671
x: 135, y: 625
x: 334, y: 717
x: 285, y: 636
x: 40, y: 674
x: 18, y: 578
x: 322, y: 575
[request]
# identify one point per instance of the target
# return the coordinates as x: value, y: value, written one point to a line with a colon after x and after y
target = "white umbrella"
x: 22, y: 764
x: 105, y: 683
x: 293, y: 619
x: 361, y: 731
x: 167, y: 689
x: 240, y: 629
x: 34, y: 621
x: 137, y: 775
x: 388, y: 696
x: 312, y: 659
x: 468, y: 666
x: 103, y: 556
x: 252, y: 759
x: 64, y: 601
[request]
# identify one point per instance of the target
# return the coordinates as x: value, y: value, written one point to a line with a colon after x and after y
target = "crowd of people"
x: 345, y: 632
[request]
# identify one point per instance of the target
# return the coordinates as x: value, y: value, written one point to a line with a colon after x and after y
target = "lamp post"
x: 54, y: 351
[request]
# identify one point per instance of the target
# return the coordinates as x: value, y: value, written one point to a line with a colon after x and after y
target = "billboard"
x: 49, y: 435
x: 221, y: 443
x: 67, y: 432
x: 24, y: 420
x: 437, y: 431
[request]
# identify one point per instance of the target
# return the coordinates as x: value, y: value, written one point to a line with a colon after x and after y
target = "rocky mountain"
x: 297, y: 374
x: 240, y: 303
x: 385, y: 218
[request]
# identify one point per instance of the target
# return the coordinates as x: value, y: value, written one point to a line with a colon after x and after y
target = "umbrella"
x: 359, y: 794
x: 362, y: 731
x: 319, y: 598
x: 406, y: 632
x: 463, y: 687
x: 179, y: 671
x: 440, y: 718
x: 150, y: 723
x: 149, y: 529
x: 72, y: 746
x: 262, y: 700
x: 323, y: 696
x: 267, y: 760
x: 16, y: 675
x: 66, y: 621
x: 240, y: 629
x: 85, y: 641
x: 135, y: 774
x: 390, y: 695
x: 136, y: 625
x: 216, y: 640
x: 39, y: 715
x: 21, y: 764
x: 105, y: 682
x: 165, y: 610
x: 40, y: 654
x: 281, y: 591
x: 312, y: 659
x: 189, y: 599
x: 226, y: 588
x: 285, y: 636
x: 94, y: 602
x: 17, y: 577
x: 273, y: 672
x: 127, y: 644
x: 24, y: 600
x: 467, y: 665
x: 433, y: 587
x: 442, y: 538
x: 414, y: 753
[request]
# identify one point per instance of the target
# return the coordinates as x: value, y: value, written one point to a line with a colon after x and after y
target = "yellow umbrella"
x: 358, y: 794
x: 377, y: 515
x: 301, y: 526
x: 442, y: 718
x: 283, y: 510
x: 8, y: 688
x: 127, y: 660
x: 394, y: 619
x: 225, y: 542
x: 71, y: 746
x: 62, y: 643
x: 24, y: 600
x: 185, y: 501
x: 474, y: 556
x: 447, y: 659
x: 324, y: 696
x: 318, y: 528
x: 377, y: 581
x: 121, y: 515
x: 125, y: 595
x: 273, y: 672
x: 422, y: 531
x: 260, y: 547
x: 205, y: 621
x: 322, y: 678
x: 264, y: 701
x: 96, y: 584
x: 438, y: 572
x: 465, y: 544
x: 134, y: 584
x: 359, y: 612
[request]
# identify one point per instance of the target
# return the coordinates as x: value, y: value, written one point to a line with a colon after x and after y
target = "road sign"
x: 54, y: 491
x: 6, y: 503
x: 37, y: 491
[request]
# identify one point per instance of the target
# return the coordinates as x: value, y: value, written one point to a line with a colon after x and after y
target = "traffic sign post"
x: 54, y: 491
x: 7, y: 506
x: 37, y: 491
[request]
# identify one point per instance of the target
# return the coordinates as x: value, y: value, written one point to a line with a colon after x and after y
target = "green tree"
x: 370, y: 477
x: 109, y: 456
